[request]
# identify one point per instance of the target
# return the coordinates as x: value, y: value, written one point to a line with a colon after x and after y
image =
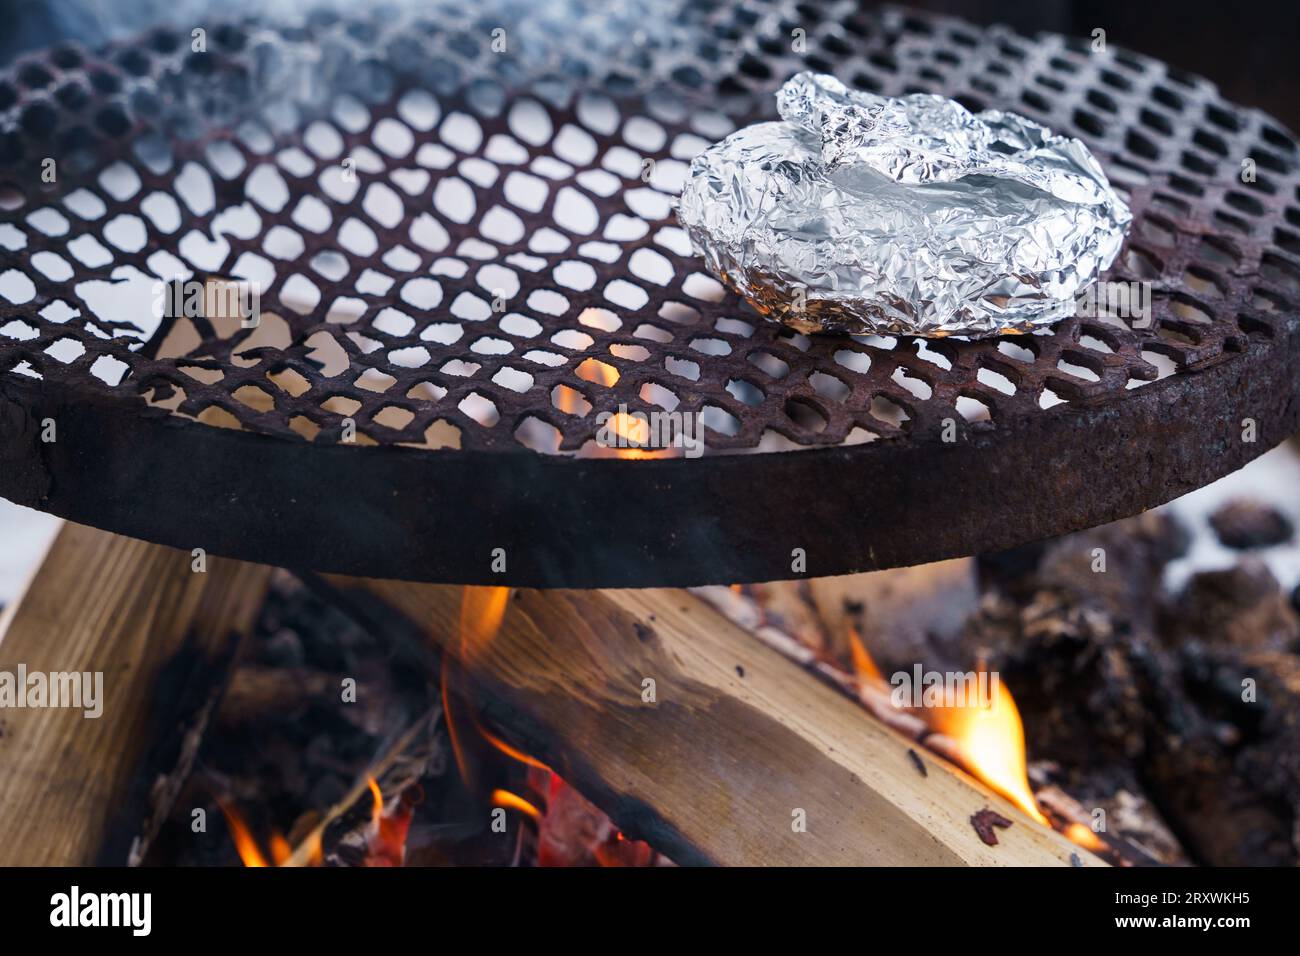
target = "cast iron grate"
x: 471, y: 250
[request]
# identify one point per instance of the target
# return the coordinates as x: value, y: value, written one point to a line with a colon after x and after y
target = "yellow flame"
x: 992, y: 741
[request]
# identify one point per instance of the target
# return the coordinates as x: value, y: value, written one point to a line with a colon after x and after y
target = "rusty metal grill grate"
x: 504, y: 264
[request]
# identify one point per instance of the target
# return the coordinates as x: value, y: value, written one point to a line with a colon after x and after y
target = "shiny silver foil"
x: 865, y: 214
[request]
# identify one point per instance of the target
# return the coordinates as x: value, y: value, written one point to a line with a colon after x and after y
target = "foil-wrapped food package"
x: 866, y: 214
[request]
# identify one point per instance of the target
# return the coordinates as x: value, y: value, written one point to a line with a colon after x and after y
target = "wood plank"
x: 737, y: 746
x: 76, y: 790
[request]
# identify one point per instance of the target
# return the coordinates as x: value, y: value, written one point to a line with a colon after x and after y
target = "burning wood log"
x: 703, y: 742
x: 153, y: 641
x: 923, y: 620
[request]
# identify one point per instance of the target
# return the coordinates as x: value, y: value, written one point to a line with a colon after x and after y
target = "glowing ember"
x: 574, y: 832
x: 992, y: 741
x: 386, y: 835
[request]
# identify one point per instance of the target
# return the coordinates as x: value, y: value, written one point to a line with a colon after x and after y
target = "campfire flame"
x: 251, y: 854
x: 1084, y: 837
x: 482, y: 612
x: 513, y: 753
x: 280, y: 848
x: 863, y: 664
x: 992, y: 741
x: 635, y: 431
x: 245, y: 845
x: 377, y: 796
x: 512, y: 801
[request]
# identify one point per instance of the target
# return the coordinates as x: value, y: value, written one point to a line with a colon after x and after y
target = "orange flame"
x: 863, y: 664
x: 481, y: 612
x: 453, y: 725
x: 316, y: 855
x: 377, y: 796
x: 567, y: 399
x: 1084, y: 837
x: 601, y: 373
x: 280, y: 849
x: 992, y: 740
x: 637, y: 431
x: 251, y: 854
x: 511, y: 801
x: 513, y: 753
x: 245, y: 845
x: 630, y: 428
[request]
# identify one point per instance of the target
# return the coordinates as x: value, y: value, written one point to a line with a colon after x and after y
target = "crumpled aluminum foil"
x: 864, y: 214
